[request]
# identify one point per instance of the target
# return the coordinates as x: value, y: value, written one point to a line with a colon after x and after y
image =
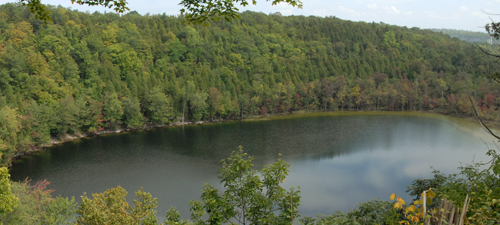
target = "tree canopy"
x: 202, y: 11
x: 196, y: 11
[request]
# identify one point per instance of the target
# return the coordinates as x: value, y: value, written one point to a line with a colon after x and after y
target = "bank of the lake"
x: 338, y: 159
x: 294, y: 114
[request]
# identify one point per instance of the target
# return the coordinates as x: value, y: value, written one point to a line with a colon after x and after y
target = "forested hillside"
x: 92, y: 72
x: 469, y: 36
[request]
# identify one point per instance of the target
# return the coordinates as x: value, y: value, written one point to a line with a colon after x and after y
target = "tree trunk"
x: 184, y: 109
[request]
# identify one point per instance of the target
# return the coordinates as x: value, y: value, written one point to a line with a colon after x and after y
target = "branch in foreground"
x: 477, y: 114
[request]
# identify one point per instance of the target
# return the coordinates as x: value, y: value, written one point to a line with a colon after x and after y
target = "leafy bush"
x: 371, y: 212
x: 376, y: 212
x: 481, y: 181
x: 111, y: 207
x: 36, y: 206
x: 248, y: 198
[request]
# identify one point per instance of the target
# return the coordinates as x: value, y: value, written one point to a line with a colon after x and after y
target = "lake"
x: 338, y: 159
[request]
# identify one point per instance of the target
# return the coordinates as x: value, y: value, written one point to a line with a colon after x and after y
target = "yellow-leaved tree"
x: 7, y: 200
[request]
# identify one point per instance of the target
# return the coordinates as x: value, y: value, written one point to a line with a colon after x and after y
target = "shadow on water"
x: 338, y: 159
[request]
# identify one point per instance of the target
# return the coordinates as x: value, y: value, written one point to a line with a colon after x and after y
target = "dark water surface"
x: 337, y: 161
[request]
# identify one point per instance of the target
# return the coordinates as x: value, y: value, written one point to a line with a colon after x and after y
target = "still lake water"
x: 337, y: 159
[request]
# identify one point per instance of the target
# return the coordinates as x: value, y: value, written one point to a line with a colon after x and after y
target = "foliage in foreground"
x: 254, y: 197
x: 482, y: 186
x: 481, y: 181
x: 248, y: 198
x: 7, y: 199
x: 414, y: 213
x: 371, y: 212
x: 37, y: 206
x: 111, y: 207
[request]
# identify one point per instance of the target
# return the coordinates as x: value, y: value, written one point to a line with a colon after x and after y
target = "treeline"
x: 464, y: 35
x: 90, y: 72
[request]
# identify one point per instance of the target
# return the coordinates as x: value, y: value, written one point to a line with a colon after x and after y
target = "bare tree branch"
x: 487, y: 52
x: 477, y: 114
x: 493, y: 14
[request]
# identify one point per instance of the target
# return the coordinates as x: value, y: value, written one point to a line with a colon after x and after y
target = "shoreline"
x: 54, y: 141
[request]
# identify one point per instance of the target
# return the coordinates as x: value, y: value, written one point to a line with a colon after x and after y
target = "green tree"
x: 286, y: 92
x: 198, y: 105
x: 39, y: 122
x: 36, y: 206
x: 7, y: 200
x: 198, y: 11
x: 91, y: 114
x: 10, y: 126
x: 176, y: 50
x: 132, y: 116
x: 159, y: 106
x: 390, y: 40
x: 112, y: 109
x: 355, y: 96
x: 341, y: 97
x: 66, y: 119
x: 214, y: 102
x: 111, y: 207
x: 248, y: 198
x: 187, y: 93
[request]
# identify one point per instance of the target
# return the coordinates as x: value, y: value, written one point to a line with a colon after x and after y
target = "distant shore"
x: 295, y: 114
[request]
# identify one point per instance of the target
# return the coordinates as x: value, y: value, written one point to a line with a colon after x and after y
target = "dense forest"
x: 88, y: 72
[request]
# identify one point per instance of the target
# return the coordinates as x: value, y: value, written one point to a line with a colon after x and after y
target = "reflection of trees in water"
x: 305, y: 137
x: 352, y: 135
x: 319, y: 137
x: 314, y: 138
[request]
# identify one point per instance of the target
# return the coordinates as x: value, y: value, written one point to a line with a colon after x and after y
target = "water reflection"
x: 337, y: 161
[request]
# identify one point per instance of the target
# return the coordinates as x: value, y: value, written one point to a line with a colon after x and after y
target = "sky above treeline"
x: 452, y: 14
